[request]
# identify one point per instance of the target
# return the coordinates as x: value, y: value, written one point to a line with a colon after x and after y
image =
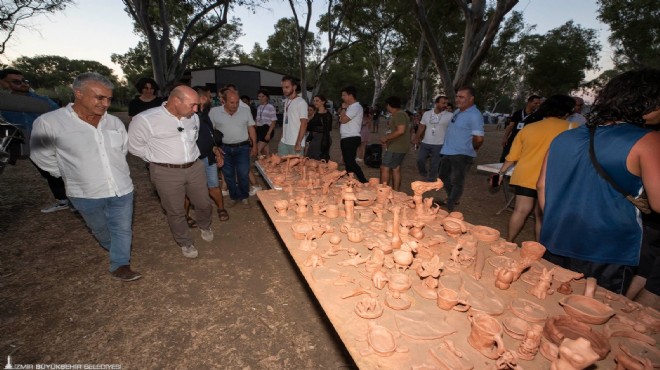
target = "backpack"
x: 373, y: 155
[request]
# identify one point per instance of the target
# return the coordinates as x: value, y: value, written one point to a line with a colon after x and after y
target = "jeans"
x: 237, y: 169
x: 453, y: 169
x: 349, y: 147
x: 110, y: 221
x: 426, y: 151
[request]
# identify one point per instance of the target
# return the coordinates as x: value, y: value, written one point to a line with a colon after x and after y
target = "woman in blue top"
x: 588, y: 226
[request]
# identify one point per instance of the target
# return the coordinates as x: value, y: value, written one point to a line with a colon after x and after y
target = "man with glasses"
x: 14, y: 81
x: 464, y: 136
x: 577, y: 119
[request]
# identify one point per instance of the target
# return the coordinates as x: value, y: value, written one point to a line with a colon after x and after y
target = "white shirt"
x: 156, y: 135
x: 233, y: 127
x: 352, y: 127
x: 436, y: 126
x: 91, y: 160
x: 294, y: 110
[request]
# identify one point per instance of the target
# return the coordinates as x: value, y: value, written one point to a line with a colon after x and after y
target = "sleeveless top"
x: 584, y: 217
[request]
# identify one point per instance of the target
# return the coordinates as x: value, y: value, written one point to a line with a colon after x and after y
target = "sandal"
x: 223, y: 215
x: 191, y: 222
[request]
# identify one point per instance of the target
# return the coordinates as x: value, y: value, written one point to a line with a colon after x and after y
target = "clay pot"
x: 486, y: 336
x: 330, y: 211
x: 281, y: 206
x: 301, y: 229
x: 354, y: 234
x: 557, y: 328
x: 485, y: 234
x: 587, y: 309
x: 374, y: 181
x: 402, y: 258
x: 399, y: 282
x: 532, y: 251
x: 448, y: 299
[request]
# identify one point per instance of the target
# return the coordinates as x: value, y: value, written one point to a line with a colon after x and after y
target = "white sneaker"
x: 189, y: 251
x: 359, y: 160
x: 58, y: 206
x: 246, y: 203
x: 225, y: 193
x: 255, y: 189
x: 207, y: 235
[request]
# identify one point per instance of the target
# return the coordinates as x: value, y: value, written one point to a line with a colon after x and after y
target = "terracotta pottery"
x: 515, y: 327
x: 485, y: 234
x: 381, y: 341
x: 281, y: 206
x: 334, y: 239
x: 532, y: 251
x: 379, y: 279
x: 300, y: 229
x: 417, y: 325
x: 397, y: 285
x: 574, y: 355
x: 447, y: 299
x: 330, y: 211
x: 456, y: 215
x: 557, y: 328
x: 586, y: 309
x: 531, y: 342
x: 354, y: 234
x: 374, y: 181
x: 369, y: 308
x: 590, y: 287
x: 643, y: 350
x: 528, y: 310
x: 548, y: 349
x: 449, y: 357
x: 486, y: 336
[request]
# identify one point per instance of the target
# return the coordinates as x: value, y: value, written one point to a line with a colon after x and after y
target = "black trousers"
x: 349, y: 147
x: 56, y: 184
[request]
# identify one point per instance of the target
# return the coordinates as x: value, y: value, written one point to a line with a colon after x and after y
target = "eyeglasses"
x: 19, y: 82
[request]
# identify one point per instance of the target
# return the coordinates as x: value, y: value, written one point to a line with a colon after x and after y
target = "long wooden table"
x: 332, y: 281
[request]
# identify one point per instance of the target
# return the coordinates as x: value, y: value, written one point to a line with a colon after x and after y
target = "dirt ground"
x: 242, y: 304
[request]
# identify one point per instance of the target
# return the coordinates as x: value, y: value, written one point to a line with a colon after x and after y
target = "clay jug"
x: 486, y: 335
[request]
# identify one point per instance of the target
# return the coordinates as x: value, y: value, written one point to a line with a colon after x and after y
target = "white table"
x: 495, y: 168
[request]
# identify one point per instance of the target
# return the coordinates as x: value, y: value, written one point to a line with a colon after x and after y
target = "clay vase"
x: 486, y: 335
x: 448, y: 300
x: 330, y: 211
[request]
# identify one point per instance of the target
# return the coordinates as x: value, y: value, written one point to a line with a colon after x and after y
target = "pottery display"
x: 381, y: 341
x: 448, y: 299
x: 586, y: 309
x: 531, y: 342
x: 515, y: 327
x: 528, y: 310
x: 557, y: 328
x: 369, y: 308
x: 532, y: 251
x: 574, y: 355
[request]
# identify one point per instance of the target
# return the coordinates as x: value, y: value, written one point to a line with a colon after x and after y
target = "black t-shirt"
x: 137, y: 105
x: 521, y: 120
x: 205, y: 140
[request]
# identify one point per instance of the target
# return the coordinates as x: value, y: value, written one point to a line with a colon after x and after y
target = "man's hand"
x: 253, y: 151
x: 298, y: 148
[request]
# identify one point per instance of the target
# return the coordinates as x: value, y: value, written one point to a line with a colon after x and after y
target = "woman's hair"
x: 627, y: 97
x: 264, y: 92
x: 556, y: 106
x: 323, y: 99
x: 143, y: 81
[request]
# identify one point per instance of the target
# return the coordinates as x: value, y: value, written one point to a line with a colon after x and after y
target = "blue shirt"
x: 585, y: 217
x: 464, y: 125
x: 26, y: 120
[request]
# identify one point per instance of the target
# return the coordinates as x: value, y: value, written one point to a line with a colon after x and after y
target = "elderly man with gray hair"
x: 87, y: 147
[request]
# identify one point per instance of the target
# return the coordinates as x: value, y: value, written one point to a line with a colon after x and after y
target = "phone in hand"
x: 494, y: 180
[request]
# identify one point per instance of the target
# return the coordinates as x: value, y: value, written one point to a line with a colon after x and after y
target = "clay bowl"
x: 559, y: 327
x: 301, y: 229
x: 532, y: 250
x: 515, y: 327
x: 587, y: 309
x: 485, y: 233
x: 381, y: 340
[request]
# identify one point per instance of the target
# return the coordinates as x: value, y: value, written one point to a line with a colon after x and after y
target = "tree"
x: 557, y: 61
x: 635, y: 31
x: 481, y: 26
x: 51, y: 71
x: 174, y: 29
x: 13, y: 14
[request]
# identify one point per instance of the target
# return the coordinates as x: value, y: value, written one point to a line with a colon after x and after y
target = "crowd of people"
x: 582, y: 177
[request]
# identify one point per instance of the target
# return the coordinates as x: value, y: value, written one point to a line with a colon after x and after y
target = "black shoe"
x: 124, y: 273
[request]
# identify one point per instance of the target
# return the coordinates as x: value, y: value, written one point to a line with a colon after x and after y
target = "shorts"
x: 211, y: 174
x: 262, y: 131
x: 286, y: 149
x: 392, y: 160
x: 526, y: 192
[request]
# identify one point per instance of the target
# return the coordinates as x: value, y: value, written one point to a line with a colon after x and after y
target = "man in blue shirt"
x: 464, y: 136
x: 14, y: 81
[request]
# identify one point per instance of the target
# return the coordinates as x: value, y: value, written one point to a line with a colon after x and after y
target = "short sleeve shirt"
x: 266, y: 115
x: 436, y: 126
x: 352, y: 128
x: 402, y: 143
x: 294, y: 110
x: 464, y: 125
x: 234, y: 127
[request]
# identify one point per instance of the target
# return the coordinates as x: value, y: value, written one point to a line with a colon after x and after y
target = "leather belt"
x: 243, y: 143
x: 168, y: 165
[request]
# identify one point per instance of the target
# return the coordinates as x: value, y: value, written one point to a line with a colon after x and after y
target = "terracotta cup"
x: 374, y: 181
x: 330, y: 211
x: 486, y: 335
x: 448, y: 300
x: 354, y: 234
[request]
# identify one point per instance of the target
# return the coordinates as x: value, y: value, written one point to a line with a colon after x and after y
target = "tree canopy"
x: 15, y: 14
x: 52, y: 71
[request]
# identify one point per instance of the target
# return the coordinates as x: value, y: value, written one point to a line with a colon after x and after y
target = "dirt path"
x: 241, y: 304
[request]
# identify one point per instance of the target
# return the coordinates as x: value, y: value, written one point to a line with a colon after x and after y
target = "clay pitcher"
x: 486, y: 335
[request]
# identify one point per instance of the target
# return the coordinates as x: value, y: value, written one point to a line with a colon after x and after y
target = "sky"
x: 95, y: 29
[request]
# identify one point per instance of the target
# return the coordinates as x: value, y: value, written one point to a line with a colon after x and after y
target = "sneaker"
x: 255, y: 189
x: 189, y: 251
x: 359, y: 160
x: 124, y: 273
x: 58, y: 206
x: 207, y: 235
x: 246, y: 203
x: 225, y: 193
x: 231, y: 203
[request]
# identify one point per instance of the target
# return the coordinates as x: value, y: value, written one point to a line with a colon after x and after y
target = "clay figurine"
x: 574, y: 355
x: 398, y: 284
x: 543, y: 286
x: 504, y: 276
x: 369, y: 308
x: 314, y: 260
x: 507, y: 361
x: 530, y: 344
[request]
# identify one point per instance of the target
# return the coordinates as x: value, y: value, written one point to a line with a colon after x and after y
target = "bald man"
x: 166, y: 137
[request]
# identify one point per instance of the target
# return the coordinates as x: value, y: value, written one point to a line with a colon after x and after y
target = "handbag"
x: 641, y: 202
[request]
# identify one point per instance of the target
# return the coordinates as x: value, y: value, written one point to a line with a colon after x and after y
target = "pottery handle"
x: 500, y: 343
x: 462, y: 306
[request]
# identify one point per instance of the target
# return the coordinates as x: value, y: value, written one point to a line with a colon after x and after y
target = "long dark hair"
x: 627, y: 97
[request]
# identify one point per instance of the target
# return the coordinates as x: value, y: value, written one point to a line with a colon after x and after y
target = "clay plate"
x: 528, y: 310
x: 515, y: 327
x: 586, y: 309
x: 635, y: 348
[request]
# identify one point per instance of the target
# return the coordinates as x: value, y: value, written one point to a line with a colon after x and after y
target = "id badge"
x: 520, y: 125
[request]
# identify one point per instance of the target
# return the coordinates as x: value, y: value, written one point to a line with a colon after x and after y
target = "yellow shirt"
x: 529, y: 148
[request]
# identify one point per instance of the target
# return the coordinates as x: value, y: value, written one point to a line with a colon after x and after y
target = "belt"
x: 243, y: 143
x: 168, y: 165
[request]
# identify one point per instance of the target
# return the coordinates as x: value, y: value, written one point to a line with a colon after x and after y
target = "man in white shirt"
x: 237, y: 127
x: 350, y: 117
x: 166, y: 137
x: 432, y: 129
x: 87, y: 148
x: 294, y: 127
